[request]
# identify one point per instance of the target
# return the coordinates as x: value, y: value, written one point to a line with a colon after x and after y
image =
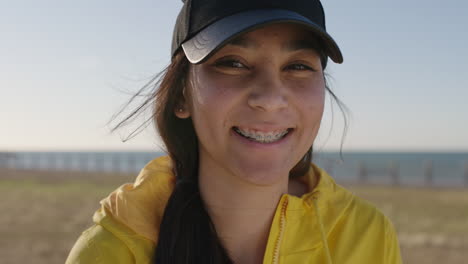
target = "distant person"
x: 238, y: 109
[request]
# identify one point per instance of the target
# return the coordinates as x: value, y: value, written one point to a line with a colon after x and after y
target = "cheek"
x: 316, y: 102
x: 212, y: 99
x: 311, y: 95
x: 310, y: 98
x: 209, y: 92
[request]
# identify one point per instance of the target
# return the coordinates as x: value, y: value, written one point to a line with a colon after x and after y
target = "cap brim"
x: 206, y: 42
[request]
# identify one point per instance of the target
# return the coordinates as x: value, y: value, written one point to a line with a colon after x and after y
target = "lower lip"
x: 262, y: 145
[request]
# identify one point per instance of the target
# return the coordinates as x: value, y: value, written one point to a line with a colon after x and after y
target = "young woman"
x: 238, y: 109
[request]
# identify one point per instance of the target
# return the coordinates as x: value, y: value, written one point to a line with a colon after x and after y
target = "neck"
x: 241, y: 212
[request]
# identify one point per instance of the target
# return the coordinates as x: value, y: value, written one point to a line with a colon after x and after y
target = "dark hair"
x: 187, y: 234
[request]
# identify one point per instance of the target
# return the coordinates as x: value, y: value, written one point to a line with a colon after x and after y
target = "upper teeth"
x: 263, y: 137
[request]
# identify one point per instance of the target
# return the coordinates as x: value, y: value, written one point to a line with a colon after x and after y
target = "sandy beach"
x: 44, y: 212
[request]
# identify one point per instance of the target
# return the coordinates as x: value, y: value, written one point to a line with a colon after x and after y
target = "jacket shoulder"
x: 98, y: 245
x: 374, y: 232
x: 363, y: 210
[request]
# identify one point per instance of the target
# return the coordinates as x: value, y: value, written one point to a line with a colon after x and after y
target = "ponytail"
x: 187, y: 234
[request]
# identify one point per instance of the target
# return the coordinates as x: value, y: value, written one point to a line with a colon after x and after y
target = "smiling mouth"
x: 262, y: 137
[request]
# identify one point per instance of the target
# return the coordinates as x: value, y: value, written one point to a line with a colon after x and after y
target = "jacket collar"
x: 139, y: 206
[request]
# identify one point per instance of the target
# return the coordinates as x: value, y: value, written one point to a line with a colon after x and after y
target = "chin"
x: 262, y: 173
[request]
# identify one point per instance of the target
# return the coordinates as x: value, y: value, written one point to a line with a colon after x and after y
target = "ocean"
x: 408, y: 168
x: 405, y: 168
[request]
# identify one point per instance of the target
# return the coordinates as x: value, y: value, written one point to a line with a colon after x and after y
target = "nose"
x: 268, y: 92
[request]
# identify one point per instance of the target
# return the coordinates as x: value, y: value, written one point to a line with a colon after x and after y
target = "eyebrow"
x: 244, y: 43
x: 300, y: 44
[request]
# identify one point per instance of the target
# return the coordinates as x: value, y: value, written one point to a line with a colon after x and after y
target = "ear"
x: 182, y: 111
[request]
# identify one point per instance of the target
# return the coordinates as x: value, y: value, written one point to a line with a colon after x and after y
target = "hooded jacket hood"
x: 328, y: 224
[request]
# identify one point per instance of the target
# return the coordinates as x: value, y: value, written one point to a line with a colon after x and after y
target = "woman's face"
x: 257, y: 104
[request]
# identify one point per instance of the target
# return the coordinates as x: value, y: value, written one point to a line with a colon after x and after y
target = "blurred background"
x: 66, y: 67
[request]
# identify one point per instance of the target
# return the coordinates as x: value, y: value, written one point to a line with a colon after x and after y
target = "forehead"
x: 288, y: 36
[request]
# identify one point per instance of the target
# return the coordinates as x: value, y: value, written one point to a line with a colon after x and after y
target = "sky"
x: 66, y: 67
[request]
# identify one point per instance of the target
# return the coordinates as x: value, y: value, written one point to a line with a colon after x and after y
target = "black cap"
x: 204, y: 26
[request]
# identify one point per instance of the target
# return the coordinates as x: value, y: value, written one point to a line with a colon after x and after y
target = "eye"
x: 230, y: 63
x: 299, y: 67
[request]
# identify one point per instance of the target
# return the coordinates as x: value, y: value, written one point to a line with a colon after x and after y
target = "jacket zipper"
x: 281, y: 231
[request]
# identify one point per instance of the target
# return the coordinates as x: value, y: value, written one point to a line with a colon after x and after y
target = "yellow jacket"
x: 327, y: 225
